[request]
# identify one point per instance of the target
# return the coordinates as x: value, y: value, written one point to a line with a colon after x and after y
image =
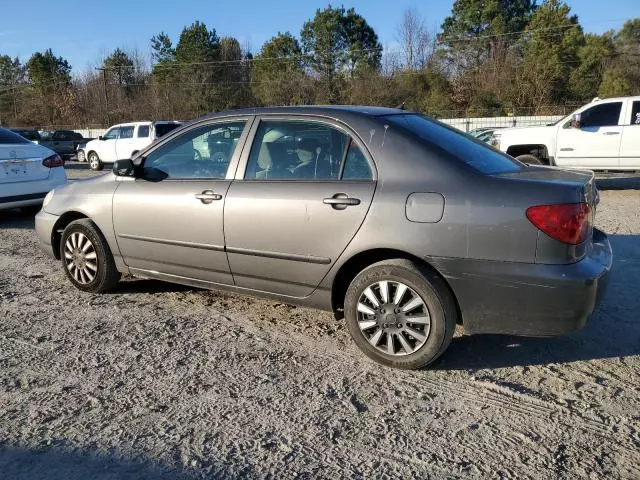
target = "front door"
x: 170, y: 220
x: 596, y: 144
x: 125, y: 143
x: 107, y: 146
x: 306, y: 190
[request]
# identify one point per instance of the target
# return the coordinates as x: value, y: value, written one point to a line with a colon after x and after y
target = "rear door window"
x: 604, y: 115
x: 473, y: 152
x: 126, y: 132
x: 143, y: 131
x: 296, y: 150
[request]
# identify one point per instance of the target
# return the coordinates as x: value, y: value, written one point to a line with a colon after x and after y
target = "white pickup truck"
x: 123, y: 141
x: 603, y: 135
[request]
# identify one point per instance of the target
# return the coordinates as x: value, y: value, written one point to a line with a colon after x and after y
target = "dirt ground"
x: 162, y: 381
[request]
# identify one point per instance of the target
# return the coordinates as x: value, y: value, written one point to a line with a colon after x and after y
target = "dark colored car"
x: 397, y: 222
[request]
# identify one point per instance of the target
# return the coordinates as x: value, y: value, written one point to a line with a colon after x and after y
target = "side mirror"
x: 124, y: 168
x: 100, y: 138
x: 576, y: 121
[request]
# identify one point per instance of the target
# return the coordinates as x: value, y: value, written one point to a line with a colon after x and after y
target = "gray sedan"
x: 400, y: 224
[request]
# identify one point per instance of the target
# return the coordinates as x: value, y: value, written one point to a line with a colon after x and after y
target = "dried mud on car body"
x: 157, y: 380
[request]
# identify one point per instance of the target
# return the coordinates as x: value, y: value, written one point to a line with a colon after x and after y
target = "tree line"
x: 489, y: 58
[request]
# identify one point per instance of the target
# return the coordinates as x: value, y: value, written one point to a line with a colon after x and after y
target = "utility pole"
x: 106, y: 96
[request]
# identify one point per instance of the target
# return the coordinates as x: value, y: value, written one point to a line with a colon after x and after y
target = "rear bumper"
x: 45, y: 223
x: 27, y: 193
x: 529, y: 299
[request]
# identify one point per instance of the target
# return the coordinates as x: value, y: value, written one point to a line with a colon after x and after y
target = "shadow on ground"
x: 53, y: 463
x: 613, y: 331
x: 18, y: 218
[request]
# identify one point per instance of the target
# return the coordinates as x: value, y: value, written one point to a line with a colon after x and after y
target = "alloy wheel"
x: 393, y: 318
x: 80, y: 258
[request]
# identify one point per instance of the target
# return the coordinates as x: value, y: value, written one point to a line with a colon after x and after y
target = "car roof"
x: 322, y: 110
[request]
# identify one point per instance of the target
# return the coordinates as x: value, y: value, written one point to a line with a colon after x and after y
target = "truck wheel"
x: 80, y: 156
x: 530, y: 159
x: 94, y: 162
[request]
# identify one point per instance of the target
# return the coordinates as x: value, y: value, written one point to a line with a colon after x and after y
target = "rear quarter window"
x: 474, y: 153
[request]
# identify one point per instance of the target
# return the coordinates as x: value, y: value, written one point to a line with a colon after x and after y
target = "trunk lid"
x: 22, y: 163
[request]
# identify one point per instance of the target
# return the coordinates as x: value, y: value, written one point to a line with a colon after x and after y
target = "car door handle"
x: 611, y: 133
x: 340, y: 201
x: 208, y: 196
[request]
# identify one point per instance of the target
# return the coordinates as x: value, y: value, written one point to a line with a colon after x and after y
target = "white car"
x: 123, y: 141
x: 27, y: 171
x: 602, y: 135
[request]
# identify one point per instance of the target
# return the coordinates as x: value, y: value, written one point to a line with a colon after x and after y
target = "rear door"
x: 596, y: 144
x: 125, y: 142
x: 630, y: 144
x: 302, y: 191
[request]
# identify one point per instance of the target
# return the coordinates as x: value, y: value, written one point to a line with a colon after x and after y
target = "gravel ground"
x: 162, y: 381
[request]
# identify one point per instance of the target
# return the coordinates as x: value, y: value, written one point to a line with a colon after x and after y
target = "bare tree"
x: 416, y: 42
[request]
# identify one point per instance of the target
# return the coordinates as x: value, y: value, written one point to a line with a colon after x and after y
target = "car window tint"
x: 143, y: 131
x: 126, y: 132
x: 296, y: 150
x: 635, y: 114
x: 111, y: 134
x: 203, y: 152
x: 164, y: 128
x: 8, y: 137
x: 356, y: 165
x: 473, y: 152
x: 605, y: 115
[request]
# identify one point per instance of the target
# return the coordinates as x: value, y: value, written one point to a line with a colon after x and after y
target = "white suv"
x: 123, y: 141
x: 602, y: 135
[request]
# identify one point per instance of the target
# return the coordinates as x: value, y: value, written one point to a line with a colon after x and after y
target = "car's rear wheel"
x: 399, y: 314
x: 94, y: 162
x: 86, y: 257
x: 80, y: 156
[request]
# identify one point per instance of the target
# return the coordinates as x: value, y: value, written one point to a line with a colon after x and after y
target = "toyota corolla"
x: 400, y: 224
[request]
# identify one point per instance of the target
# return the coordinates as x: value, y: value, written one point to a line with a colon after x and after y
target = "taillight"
x: 52, y: 161
x: 566, y: 222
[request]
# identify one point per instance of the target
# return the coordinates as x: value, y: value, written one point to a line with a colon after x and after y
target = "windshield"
x: 28, y: 134
x: 7, y: 137
x: 471, y: 151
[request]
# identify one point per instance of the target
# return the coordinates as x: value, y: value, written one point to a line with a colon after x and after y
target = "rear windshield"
x: 29, y: 134
x: 7, y: 137
x: 164, y: 128
x: 473, y: 152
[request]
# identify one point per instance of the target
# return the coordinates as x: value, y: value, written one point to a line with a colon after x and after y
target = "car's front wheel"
x: 86, y: 257
x: 94, y: 162
x: 399, y: 314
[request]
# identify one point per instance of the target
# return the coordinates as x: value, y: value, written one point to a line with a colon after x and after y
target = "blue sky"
x: 83, y: 32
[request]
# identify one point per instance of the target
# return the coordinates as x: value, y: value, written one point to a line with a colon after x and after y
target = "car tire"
x: 80, y: 156
x: 90, y: 268
x: 426, y: 329
x: 94, y: 162
x: 529, y: 159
